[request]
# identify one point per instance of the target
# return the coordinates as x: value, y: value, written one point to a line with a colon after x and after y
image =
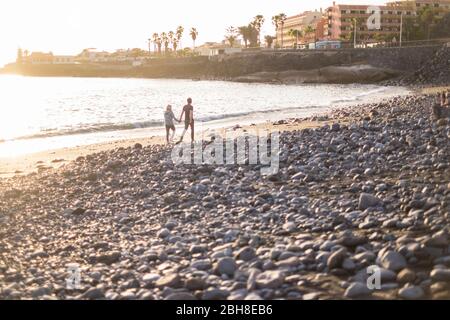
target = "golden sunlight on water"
x: 18, y: 99
x: 46, y: 113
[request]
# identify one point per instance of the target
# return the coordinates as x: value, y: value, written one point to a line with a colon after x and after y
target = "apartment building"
x: 299, y: 22
x: 342, y: 18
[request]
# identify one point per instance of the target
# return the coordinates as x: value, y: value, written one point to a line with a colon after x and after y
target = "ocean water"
x: 42, y: 113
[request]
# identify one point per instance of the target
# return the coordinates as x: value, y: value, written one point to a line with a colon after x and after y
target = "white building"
x: 91, y: 55
x: 63, y: 59
x: 214, y: 49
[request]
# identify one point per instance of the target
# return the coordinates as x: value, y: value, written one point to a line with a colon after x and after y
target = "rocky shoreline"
x: 371, y: 189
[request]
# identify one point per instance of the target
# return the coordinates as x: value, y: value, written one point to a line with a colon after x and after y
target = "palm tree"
x: 231, y: 35
x: 295, y: 34
x: 427, y: 18
x: 283, y: 18
x: 179, y: 34
x: 276, y: 21
x: 157, y: 42
x: 172, y: 40
x: 269, y: 40
x: 194, y: 34
x: 165, y: 40
x: 149, y: 40
x: 357, y: 23
x: 257, y: 23
x: 309, y: 30
x: 245, y: 31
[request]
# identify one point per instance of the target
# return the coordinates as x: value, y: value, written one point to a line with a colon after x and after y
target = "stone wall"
x: 401, y: 59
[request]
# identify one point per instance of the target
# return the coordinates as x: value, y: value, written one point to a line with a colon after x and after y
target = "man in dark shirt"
x: 188, y: 111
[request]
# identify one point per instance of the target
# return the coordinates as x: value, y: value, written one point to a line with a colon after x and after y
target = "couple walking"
x: 169, y: 117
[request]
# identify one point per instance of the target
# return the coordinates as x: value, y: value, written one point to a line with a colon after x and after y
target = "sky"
x: 68, y: 26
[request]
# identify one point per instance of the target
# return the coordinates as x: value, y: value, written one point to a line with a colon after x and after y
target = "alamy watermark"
x: 250, y: 147
x: 374, y: 279
x: 374, y: 20
x: 73, y: 281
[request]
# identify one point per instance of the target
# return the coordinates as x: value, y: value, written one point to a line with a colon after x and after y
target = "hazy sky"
x: 68, y: 26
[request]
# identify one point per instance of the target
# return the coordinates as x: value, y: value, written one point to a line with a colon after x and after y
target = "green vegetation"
x: 231, y: 35
x: 295, y: 34
x: 194, y: 34
x: 442, y: 27
x: 426, y: 25
x: 249, y: 35
x: 269, y: 40
x: 257, y: 24
x: 278, y: 22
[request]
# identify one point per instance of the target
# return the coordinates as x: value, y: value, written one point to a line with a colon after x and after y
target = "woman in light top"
x: 169, y: 117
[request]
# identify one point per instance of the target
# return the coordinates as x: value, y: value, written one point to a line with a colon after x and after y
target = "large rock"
x: 393, y: 260
x: 357, y: 290
x: 411, y: 293
x: 269, y: 279
x: 226, y: 266
x: 440, y: 275
x: 336, y: 259
x: 367, y: 200
x: 109, y: 257
x: 171, y: 281
x: 246, y: 254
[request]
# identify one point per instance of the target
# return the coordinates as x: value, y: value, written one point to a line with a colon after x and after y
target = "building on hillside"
x: 441, y: 7
x: 64, y: 59
x: 47, y: 58
x: 210, y: 49
x: 299, y: 22
x: 342, y: 19
x: 92, y: 56
x: 39, y: 58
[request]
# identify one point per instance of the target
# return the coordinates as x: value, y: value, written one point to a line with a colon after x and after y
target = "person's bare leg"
x: 167, y: 135
x: 192, y: 132
x: 182, y: 136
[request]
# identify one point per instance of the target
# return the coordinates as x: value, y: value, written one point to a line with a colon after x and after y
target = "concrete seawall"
x: 401, y: 59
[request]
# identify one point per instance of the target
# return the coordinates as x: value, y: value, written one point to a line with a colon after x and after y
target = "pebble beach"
x: 370, y: 186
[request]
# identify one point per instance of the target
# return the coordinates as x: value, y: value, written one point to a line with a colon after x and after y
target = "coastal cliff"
x: 306, y: 66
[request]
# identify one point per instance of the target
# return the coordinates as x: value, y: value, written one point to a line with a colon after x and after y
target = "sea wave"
x: 111, y: 127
